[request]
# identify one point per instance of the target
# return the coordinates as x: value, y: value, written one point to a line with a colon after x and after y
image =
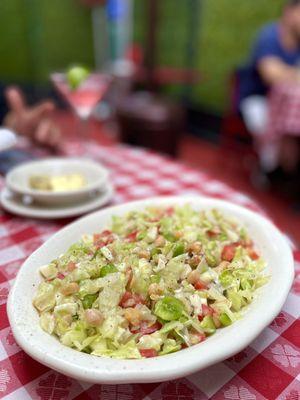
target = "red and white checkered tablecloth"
x: 284, y: 112
x: 267, y: 369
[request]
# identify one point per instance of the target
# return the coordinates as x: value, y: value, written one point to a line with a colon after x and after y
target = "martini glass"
x: 83, y: 99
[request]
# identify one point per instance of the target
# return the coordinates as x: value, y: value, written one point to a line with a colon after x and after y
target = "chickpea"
x: 144, y: 254
x: 194, y: 261
x: 133, y: 316
x: 69, y: 288
x: 178, y: 234
x: 68, y: 319
x: 160, y: 241
x: 71, y: 266
x: 195, y: 247
x: 193, y: 277
x: 223, y: 265
x: 216, y: 320
x: 93, y: 317
x: 154, y: 291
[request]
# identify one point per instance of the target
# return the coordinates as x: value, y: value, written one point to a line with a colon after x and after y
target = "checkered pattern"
x: 284, y: 112
x: 267, y: 369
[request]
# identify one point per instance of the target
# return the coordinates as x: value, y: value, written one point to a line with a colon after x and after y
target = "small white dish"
x: 16, y: 205
x: 46, y: 349
x: 17, y: 180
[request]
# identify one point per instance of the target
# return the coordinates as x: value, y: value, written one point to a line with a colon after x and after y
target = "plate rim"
x: 60, y: 212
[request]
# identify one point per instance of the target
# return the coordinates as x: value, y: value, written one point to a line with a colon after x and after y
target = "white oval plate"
x: 15, y: 205
x: 226, y: 342
x: 17, y: 180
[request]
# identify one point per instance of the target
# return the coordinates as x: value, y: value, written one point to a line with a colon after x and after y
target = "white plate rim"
x: 173, y: 365
x: 42, y: 193
x: 58, y: 212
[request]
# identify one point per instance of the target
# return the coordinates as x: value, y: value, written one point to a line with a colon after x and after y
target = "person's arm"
x: 274, y: 71
x: 34, y: 121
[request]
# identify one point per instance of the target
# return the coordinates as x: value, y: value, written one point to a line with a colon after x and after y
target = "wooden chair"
x: 145, y: 117
x: 234, y: 136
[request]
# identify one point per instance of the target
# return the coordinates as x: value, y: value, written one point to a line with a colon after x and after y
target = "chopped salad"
x: 155, y: 282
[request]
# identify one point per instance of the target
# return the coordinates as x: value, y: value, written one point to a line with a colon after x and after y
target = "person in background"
x: 275, y: 59
x: 34, y: 122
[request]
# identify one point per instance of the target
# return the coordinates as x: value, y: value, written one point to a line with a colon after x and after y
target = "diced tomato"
x: 97, y: 237
x: 148, y: 353
x: 184, y: 346
x: 206, y: 310
x: 199, y: 285
x: 252, y: 253
x: 228, y: 252
x: 201, y: 336
x: 134, y: 329
x: 146, y: 330
x: 106, y: 232
x: 131, y: 300
x: 131, y: 237
x: 99, y: 244
x: 212, y: 233
x: 125, y: 299
x: 60, y: 276
x: 102, y: 239
x: 110, y: 239
x: 71, y: 266
x: 98, y: 240
x: 169, y: 211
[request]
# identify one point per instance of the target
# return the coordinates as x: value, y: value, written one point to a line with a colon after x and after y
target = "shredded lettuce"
x: 154, y: 281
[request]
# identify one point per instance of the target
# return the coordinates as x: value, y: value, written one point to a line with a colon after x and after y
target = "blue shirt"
x: 267, y: 44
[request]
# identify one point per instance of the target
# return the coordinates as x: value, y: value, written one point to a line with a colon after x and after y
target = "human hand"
x: 31, y: 121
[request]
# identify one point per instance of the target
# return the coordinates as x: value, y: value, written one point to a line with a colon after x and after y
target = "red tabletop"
x: 267, y: 369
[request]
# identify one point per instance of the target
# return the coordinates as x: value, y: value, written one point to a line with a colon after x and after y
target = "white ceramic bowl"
x: 17, y: 180
x: 226, y: 342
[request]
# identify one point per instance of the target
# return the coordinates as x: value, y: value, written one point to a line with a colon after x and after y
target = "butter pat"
x: 57, y: 183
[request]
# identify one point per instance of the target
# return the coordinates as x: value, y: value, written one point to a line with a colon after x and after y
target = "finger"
x: 47, y: 133
x: 15, y: 99
x: 53, y: 135
x: 42, y: 132
x: 41, y: 110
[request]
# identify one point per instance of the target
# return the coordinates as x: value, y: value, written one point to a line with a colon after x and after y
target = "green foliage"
x: 15, y: 52
x: 228, y: 29
x: 39, y: 36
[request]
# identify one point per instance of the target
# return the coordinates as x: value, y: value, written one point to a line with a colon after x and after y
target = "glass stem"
x: 83, y: 126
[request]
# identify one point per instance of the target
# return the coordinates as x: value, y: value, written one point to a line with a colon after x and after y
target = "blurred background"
x: 173, y: 69
x: 38, y: 37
